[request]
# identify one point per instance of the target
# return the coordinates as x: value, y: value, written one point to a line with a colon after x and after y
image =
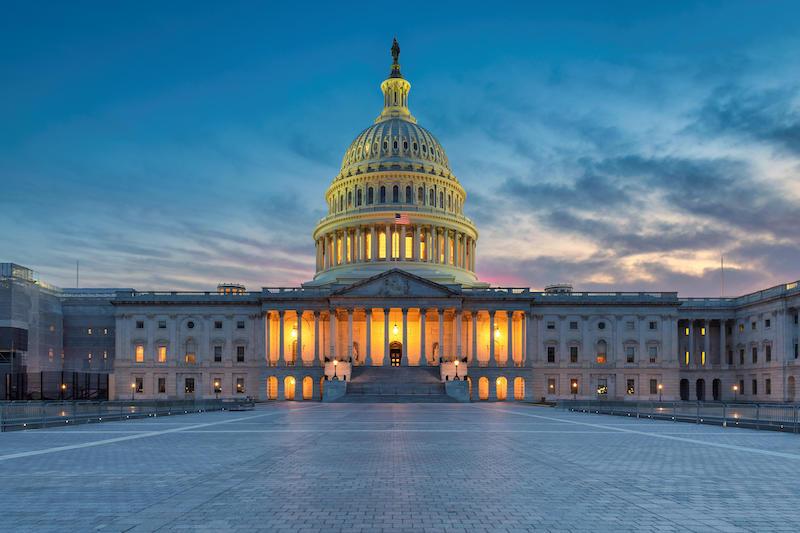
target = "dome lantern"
x: 395, y: 90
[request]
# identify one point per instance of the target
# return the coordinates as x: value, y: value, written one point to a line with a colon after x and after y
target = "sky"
x: 612, y: 145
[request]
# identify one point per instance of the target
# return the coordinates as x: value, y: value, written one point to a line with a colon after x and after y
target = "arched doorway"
x: 684, y: 389
x: 308, y: 388
x: 272, y: 388
x: 519, y: 388
x: 288, y: 388
x: 716, y: 390
x: 501, y: 388
x: 483, y: 388
x: 700, y: 390
x: 395, y: 353
x: 790, y: 389
x: 321, y: 387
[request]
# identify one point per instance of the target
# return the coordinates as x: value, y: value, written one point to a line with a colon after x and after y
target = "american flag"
x: 401, y: 219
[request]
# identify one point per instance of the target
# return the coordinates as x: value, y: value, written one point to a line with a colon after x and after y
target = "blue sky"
x: 618, y: 147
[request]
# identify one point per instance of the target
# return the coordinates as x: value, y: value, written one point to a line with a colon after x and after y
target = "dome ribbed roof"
x: 395, y: 143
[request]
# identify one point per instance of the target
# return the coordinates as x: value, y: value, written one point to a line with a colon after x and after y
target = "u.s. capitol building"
x: 395, y: 310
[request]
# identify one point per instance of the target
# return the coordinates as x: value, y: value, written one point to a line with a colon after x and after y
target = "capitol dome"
x: 395, y: 203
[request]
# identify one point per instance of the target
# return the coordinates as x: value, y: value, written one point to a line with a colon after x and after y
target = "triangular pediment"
x: 396, y: 283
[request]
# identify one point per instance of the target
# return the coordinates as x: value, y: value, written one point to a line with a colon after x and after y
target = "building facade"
x: 395, y: 286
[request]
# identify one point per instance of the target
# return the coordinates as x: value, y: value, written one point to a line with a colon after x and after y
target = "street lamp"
x: 335, y: 364
x: 63, y: 390
x: 735, y: 391
x: 574, y: 390
x: 456, y: 363
x: 216, y: 389
x: 133, y: 389
x: 660, y: 388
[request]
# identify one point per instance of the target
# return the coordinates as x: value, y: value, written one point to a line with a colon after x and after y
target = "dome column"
x: 373, y: 244
x: 423, y: 359
x: 402, y: 243
x: 415, y: 245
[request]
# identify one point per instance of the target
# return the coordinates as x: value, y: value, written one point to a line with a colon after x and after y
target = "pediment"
x: 396, y: 283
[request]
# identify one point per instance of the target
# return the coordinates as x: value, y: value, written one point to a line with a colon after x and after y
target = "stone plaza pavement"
x: 399, y: 467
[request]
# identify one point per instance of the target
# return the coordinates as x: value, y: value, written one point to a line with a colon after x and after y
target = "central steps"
x: 395, y: 385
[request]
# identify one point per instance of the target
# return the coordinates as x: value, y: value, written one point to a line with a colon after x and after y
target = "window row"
x: 189, y: 355
x: 629, y: 325
x: 189, y: 385
x: 218, y: 324
x: 371, y: 195
x: 601, y: 353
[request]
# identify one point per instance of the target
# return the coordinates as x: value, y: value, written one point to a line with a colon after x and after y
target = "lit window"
x: 686, y: 332
x: 89, y: 357
x: 703, y: 332
x: 162, y: 354
x: 686, y: 358
x: 89, y: 331
x: 703, y: 358
x: 162, y: 385
x: 217, y: 385
x: 105, y: 355
x: 630, y: 390
x: 139, y: 353
x: 188, y: 385
x: 190, y: 358
x: 139, y: 385
x: 551, y: 385
x: 240, y: 385
x: 741, y: 328
x: 602, y: 386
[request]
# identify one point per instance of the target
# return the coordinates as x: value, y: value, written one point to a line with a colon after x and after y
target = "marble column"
x: 441, y: 335
x: 350, y: 336
x: 510, y: 339
x: 404, y: 355
x: 388, y: 242
x: 403, y: 249
x: 268, y: 338
x: 316, y: 337
x: 690, y: 349
x: 723, y: 352
x: 492, y: 361
x: 415, y: 245
x: 332, y: 328
x: 281, y: 358
x: 458, y: 319
x: 423, y: 358
x: 707, y: 340
x: 373, y: 253
x: 523, y: 318
x: 369, y: 337
x: 298, y: 356
x: 474, y: 357
x: 385, y: 337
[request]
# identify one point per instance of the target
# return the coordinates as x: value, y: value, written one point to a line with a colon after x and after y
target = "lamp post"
x: 133, y: 389
x: 574, y: 390
x: 735, y: 392
x: 63, y: 390
x: 456, y: 363
x: 216, y: 389
x: 660, y: 388
x: 335, y: 364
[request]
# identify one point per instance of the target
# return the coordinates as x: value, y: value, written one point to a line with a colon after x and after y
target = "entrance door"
x: 395, y: 353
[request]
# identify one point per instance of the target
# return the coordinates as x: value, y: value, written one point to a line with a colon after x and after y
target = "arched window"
x: 308, y: 388
x: 409, y: 195
x: 483, y: 388
x: 700, y: 390
x: 272, y: 388
x: 288, y: 388
x: 441, y: 200
x: 395, y: 144
x: 519, y: 388
x: 450, y: 202
x: 501, y: 387
x: 431, y: 198
x: 349, y: 198
x: 420, y: 196
x: 405, y: 145
x: 341, y: 202
x: 395, y: 194
x: 358, y: 198
x: 370, y: 196
x: 601, y: 352
x: 383, y: 195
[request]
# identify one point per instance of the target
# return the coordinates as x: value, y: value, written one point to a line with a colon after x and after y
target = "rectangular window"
x: 240, y: 354
x: 768, y: 352
x: 162, y: 324
x: 753, y: 326
x: 89, y: 331
x: 730, y: 357
x: 767, y: 386
x: 89, y: 357
x: 601, y: 358
x: 728, y: 330
x: 162, y: 385
x: 741, y: 356
x: 217, y: 354
x: 218, y: 324
x: 240, y: 324
x: 741, y: 386
x: 139, y: 385
x: 602, y: 386
x: 240, y: 385
x: 140, y: 324
x: 767, y: 323
x: 573, y: 325
x: 573, y: 385
x: 573, y: 354
x: 755, y: 387
x: 105, y: 355
x: 188, y: 386
x: 630, y: 354
x: 686, y: 332
x: 162, y: 354
x: 741, y: 328
x: 686, y: 358
x: 139, y: 353
x: 755, y: 354
x: 653, y: 324
x: 703, y: 332
x: 630, y: 325
x: 630, y: 389
x: 551, y: 325
x: 653, y: 386
x: 703, y: 358
x: 551, y: 354
x: 551, y: 385
x: 190, y: 358
x: 796, y: 350
x: 652, y: 352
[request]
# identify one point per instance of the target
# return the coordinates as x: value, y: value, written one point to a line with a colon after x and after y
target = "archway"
x: 684, y: 389
x: 321, y: 387
x: 308, y: 388
x: 519, y: 388
x: 716, y: 390
x: 395, y: 353
x: 272, y: 388
x: 790, y: 389
x: 700, y: 390
x: 483, y: 388
x: 501, y: 388
x: 288, y: 388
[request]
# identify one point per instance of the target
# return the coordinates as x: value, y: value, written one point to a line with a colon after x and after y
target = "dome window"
x: 409, y: 195
x: 432, y: 198
x: 359, y: 196
x: 366, y: 149
x: 395, y: 194
x: 415, y: 146
x: 395, y: 145
x: 349, y: 198
x: 385, y: 145
x: 405, y: 146
x: 424, y: 149
x: 441, y: 200
x: 383, y: 195
x: 370, y: 196
x: 375, y: 147
x: 420, y: 195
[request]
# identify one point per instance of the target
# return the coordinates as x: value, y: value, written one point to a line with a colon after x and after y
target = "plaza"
x: 291, y: 466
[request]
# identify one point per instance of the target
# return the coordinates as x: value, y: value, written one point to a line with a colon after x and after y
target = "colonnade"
x: 396, y: 242
x: 482, y: 337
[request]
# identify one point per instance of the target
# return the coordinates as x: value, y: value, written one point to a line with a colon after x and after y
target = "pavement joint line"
x: 656, y: 435
x: 90, y: 444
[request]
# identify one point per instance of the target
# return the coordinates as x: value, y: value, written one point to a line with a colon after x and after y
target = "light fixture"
x: 496, y: 333
x: 294, y: 333
x: 395, y: 329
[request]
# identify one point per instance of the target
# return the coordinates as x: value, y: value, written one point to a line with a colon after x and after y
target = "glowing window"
x: 369, y: 246
x: 686, y: 358
x: 702, y: 332
x: 272, y: 388
x: 409, y: 246
x: 501, y: 387
x: 190, y: 359
x: 422, y: 251
x: 703, y: 358
x: 395, y: 245
x: 519, y: 388
x: 288, y: 387
x: 686, y: 332
x: 162, y: 354
x: 308, y: 388
x: 139, y: 353
x: 483, y: 388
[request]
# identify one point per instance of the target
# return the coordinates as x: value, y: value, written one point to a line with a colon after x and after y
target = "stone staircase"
x: 404, y: 384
